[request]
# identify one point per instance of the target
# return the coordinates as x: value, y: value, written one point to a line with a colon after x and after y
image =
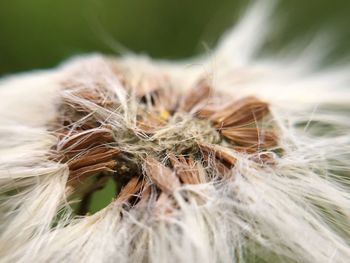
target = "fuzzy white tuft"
x: 297, y: 210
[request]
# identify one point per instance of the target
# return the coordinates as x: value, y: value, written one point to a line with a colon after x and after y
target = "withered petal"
x: 161, y: 175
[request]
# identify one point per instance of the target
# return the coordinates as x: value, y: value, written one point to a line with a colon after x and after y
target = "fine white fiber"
x: 230, y: 157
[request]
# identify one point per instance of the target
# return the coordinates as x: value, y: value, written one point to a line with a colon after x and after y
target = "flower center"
x: 155, y: 141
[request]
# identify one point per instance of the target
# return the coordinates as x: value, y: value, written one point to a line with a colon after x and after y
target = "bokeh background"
x: 37, y: 34
x: 41, y: 33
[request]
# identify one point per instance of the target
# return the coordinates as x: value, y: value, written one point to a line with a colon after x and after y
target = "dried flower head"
x: 220, y: 167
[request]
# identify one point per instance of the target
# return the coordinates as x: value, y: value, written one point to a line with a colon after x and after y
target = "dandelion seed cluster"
x: 229, y: 157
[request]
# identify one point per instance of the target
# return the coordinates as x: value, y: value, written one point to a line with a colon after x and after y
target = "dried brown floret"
x: 218, y: 153
x: 251, y: 137
x: 219, y: 167
x: 186, y: 170
x: 86, y: 171
x: 93, y: 156
x: 242, y: 112
x: 220, y: 160
x: 98, y: 95
x: 145, y: 195
x: 205, y: 113
x: 162, y: 176
x: 86, y: 139
x: 198, y: 94
x: 129, y: 190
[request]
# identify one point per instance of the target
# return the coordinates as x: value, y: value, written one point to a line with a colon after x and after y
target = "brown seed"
x: 242, y: 112
x: 100, y: 98
x: 186, y: 170
x: 198, y: 94
x: 76, y: 95
x: 223, y: 162
x: 91, y: 170
x: 145, y: 195
x: 86, y: 139
x: 242, y: 149
x: 205, y: 112
x: 129, y: 190
x: 94, y: 156
x: 219, y: 153
x: 162, y: 176
x: 251, y: 137
x: 221, y: 169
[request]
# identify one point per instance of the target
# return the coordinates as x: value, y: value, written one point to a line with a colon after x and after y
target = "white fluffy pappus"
x: 294, y: 210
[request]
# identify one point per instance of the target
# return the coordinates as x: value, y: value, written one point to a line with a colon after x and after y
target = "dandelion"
x: 234, y: 159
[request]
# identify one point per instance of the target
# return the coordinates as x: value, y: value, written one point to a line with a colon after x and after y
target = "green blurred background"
x: 42, y: 33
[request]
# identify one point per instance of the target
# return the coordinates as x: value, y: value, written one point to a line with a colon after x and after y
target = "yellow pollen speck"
x: 164, y: 114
